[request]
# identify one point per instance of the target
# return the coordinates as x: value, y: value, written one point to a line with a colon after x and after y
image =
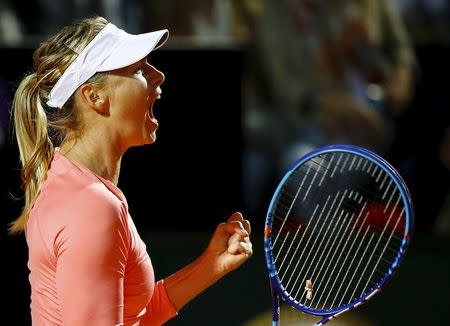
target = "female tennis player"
x: 88, y: 100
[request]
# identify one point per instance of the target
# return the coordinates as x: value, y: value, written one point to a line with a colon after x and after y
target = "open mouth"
x: 157, y: 96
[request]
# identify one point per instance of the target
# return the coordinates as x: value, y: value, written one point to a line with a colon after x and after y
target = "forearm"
x: 229, y: 247
x: 185, y: 284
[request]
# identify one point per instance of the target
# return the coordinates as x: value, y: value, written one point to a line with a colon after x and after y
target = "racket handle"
x: 275, y: 306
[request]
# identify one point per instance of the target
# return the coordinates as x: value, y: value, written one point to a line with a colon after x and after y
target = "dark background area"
x: 179, y: 189
x: 195, y: 164
x: 188, y: 181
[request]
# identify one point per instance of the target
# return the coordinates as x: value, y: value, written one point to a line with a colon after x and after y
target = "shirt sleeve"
x: 91, y: 251
x: 160, y: 309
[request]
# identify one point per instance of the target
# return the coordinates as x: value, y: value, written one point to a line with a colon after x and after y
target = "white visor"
x: 112, y: 48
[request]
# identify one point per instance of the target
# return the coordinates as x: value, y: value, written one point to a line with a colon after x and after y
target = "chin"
x: 147, y: 139
x: 150, y: 139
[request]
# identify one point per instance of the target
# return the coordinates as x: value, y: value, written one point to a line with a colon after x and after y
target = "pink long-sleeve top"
x: 87, y: 262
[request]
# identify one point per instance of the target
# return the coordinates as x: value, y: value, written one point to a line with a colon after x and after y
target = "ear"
x: 95, y: 98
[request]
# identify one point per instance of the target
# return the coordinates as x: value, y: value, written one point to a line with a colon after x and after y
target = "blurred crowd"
x: 372, y: 73
x: 322, y: 72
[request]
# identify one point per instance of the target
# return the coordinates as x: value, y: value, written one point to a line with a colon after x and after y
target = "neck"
x: 101, y: 159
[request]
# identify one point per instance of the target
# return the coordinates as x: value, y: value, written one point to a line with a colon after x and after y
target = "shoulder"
x: 70, y: 199
x: 67, y: 196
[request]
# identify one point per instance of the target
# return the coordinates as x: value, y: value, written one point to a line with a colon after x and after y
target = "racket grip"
x: 275, y: 305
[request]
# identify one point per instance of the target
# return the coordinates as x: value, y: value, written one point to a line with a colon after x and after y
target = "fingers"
x: 240, y: 248
x: 232, y: 227
x: 247, y: 227
x: 239, y: 242
x: 238, y: 245
x: 237, y: 217
x: 230, y: 245
x: 232, y: 236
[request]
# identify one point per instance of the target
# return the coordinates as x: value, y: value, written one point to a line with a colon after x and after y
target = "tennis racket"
x: 337, y: 227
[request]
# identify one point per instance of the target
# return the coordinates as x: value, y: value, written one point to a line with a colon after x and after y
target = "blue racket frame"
x: 277, y: 288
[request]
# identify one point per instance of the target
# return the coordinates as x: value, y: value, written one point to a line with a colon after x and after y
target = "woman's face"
x: 133, y: 91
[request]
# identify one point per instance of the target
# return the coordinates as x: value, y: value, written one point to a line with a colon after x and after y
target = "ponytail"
x: 35, y: 147
x: 39, y: 129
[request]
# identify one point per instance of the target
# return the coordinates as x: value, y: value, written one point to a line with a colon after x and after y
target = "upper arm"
x: 91, y: 252
x: 160, y: 309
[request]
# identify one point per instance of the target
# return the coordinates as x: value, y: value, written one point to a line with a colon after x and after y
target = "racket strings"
x: 334, y: 238
x: 346, y: 253
x: 280, y: 221
x: 322, y: 239
x: 293, y: 224
x: 286, y: 201
x: 344, y: 261
x: 334, y: 253
x: 365, y: 192
x: 369, y: 189
x: 350, y: 264
x: 292, y: 201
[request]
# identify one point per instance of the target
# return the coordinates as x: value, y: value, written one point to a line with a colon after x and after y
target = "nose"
x: 154, y: 76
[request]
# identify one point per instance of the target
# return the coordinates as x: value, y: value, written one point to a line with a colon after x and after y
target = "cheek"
x: 131, y: 102
x: 140, y: 94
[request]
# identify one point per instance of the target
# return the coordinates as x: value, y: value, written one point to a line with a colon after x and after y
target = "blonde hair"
x: 39, y: 128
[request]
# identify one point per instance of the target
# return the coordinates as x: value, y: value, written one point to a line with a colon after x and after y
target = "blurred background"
x: 250, y: 87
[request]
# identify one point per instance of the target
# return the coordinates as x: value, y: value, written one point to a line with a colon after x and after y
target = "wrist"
x: 191, y: 280
x: 209, y: 260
